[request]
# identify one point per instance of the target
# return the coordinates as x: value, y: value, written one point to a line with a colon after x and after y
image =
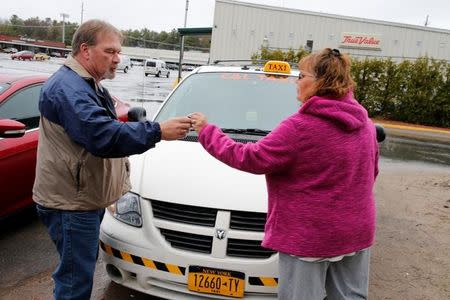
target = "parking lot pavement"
x: 132, y: 87
x: 28, y: 258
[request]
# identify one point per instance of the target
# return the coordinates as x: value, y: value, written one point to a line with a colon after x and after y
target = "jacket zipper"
x: 78, y: 176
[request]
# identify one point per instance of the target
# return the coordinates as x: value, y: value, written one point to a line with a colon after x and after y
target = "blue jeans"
x: 76, y: 237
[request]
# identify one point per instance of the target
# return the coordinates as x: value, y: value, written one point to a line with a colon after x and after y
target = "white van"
x: 125, y: 64
x: 156, y: 67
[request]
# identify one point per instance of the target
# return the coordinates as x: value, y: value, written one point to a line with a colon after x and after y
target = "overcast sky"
x: 165, y: 15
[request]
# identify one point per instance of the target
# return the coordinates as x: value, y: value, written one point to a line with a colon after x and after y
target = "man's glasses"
x: 302, y: 75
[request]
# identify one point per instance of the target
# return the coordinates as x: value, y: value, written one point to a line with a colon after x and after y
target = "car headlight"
x: 127, y: 209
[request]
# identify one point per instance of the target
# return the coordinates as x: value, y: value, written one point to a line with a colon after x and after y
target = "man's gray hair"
x: 88, y: 32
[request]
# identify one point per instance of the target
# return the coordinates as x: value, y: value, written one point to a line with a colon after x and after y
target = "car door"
x: 18, y: 155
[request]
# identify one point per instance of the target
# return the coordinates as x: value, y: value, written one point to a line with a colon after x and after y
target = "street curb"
x: 414, y: 128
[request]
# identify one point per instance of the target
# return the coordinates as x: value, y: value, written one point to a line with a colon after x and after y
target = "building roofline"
x: 34, y: 45
x: 326, y: 15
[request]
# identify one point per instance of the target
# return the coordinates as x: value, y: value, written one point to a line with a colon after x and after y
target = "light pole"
x: 64, y: 16
x: 82, y: 12
x: 180, y: 66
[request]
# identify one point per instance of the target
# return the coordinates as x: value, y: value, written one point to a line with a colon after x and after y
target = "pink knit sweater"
x: 320, y: 166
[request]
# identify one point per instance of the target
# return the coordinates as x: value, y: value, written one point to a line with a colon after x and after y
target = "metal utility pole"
x: 180, y: 62
x: 186, y: 12
x: 64, y: 16
x: 82, y: 12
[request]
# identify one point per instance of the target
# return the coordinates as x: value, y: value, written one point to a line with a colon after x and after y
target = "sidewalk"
x: 418, y: 132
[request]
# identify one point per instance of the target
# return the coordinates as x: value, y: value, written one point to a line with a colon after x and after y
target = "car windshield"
x: 234, y: 100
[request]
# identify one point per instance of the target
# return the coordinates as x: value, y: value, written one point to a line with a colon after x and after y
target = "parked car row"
x: 29, y: 55
x: 19, y: 124
x: 10, y: 50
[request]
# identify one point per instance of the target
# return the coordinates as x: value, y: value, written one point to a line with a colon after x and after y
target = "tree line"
x: 51, y: 30
x: 415, y: 92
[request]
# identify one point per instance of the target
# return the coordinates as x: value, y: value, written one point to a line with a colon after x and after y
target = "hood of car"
x: 183, y: 172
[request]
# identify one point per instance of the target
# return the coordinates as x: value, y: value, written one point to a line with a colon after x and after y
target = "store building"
x: 242, y: 29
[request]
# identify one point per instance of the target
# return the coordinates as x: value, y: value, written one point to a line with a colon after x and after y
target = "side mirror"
x: 381, y: 134
x: 11, y: 129
x: 137, y: 114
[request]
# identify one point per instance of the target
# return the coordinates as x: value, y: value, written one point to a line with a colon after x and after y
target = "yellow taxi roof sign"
x: 277, y: 66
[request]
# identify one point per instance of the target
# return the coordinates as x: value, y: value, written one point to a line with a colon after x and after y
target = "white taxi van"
x: 191, y: 227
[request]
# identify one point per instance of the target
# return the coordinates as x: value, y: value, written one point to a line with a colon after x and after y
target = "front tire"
x: 158, y: 74
x: 125, y: 70
x: 168, y: 73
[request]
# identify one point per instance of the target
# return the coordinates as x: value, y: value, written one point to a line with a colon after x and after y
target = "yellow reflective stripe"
x: 148, y: 263
x: 173, y: 269
x: 108, y: 249
x: 126, y: 257
x: 268, y: 281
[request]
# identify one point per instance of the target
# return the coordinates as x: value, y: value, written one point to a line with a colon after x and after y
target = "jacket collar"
x: 75, y: 66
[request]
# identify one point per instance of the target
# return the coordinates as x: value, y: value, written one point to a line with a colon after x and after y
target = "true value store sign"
x: 361, y: 41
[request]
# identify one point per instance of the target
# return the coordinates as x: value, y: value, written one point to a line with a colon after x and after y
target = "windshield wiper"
x: 250, y: 131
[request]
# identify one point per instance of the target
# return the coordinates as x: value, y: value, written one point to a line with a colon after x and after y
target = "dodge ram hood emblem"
x: 220, y: 234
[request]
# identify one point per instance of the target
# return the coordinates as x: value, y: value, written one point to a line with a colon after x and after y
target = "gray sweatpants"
x: 347, y: 279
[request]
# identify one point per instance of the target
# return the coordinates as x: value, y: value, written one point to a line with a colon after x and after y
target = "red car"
x: 19, y: 124
x: 23, y: 55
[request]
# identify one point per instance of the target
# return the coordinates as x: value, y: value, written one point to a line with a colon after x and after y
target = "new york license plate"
x: 216, y: 281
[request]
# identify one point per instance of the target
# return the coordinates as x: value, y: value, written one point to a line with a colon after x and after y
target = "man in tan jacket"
x: 82, y: 164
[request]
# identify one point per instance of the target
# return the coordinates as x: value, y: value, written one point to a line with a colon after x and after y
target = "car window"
x: 3, y: 87
x: 234, y: 100
x: 23, y: 106
x: 151, y: 64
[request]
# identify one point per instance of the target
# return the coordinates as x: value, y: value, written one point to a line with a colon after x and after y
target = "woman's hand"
x: 198, y: 121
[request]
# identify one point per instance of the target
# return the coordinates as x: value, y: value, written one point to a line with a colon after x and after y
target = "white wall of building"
x: 189, y: 57
x: 240, y: 29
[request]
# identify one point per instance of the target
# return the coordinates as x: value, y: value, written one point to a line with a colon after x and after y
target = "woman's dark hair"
x: 331, y: 69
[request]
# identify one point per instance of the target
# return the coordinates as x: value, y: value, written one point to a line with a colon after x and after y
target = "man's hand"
x: 175, y: 128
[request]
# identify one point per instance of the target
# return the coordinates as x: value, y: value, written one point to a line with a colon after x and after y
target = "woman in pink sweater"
x: 320, y: 166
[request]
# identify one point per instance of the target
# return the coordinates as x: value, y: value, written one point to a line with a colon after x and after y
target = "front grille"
x: 188, y: 241
x: 247, y: 248
x: 201, y: 216
x: 184, y: 213
x: 250, y: 221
